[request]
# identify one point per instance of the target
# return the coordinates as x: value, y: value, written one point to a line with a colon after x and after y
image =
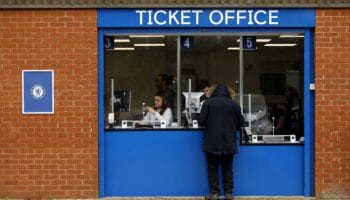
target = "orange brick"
x: 33, y: 149
x: 332, y: 118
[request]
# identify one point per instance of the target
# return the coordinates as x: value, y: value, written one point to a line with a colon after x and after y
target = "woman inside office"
x: 160, y: 111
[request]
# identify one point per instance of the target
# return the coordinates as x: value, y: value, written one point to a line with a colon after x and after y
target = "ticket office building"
x: 264, y: 55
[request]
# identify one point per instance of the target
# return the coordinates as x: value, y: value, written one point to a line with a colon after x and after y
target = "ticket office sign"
x: 209, y: 18
x: 37, y: 91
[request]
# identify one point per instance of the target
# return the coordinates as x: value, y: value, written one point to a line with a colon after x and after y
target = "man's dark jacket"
x: 221, y: 117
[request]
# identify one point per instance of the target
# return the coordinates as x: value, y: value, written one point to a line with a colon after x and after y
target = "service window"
x: 272, y: 96
x: 131, y: 74
x: 273, y: 90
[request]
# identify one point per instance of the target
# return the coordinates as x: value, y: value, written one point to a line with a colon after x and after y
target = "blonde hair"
x: 231, y: 92
x: 211, y: 89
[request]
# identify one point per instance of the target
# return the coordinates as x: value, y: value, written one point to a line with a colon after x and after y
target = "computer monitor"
x: 273, y: 84
x: 193, y: 102
x: 123, y: 100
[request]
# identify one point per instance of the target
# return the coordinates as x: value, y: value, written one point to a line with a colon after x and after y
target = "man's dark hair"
x: 203, y: 84
x: 164, y: 103
x: 167, y: 78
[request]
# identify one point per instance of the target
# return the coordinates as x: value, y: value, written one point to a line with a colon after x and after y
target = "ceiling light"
x: 263, y: 40
x: 121, y: 40
x: 260, y: 40
x: 149, y: 45
x: 280, y: 45
x: 124, y: 48
x: 291, y: 36
x: 147, y: 36
x: 232, y: 48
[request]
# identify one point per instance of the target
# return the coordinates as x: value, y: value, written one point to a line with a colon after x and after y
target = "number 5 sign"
x: 249, y: 42
x: 186, y: 42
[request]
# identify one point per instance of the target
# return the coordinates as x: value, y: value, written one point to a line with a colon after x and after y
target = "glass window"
x: 273, y: 90
x: 272, y: 79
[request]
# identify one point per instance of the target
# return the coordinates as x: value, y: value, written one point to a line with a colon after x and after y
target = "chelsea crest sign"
x: 37, y: 92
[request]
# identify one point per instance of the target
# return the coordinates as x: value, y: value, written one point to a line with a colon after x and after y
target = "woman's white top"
x: 150, y: 118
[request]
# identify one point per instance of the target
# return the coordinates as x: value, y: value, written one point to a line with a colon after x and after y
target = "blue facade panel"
x: 171, y: 163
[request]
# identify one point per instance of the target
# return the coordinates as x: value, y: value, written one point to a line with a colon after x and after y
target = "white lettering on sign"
x: 149, y: 19
x: 229, y: 15
x: 216, y: 17
x: 256, y: 19
x: 273, y: 17
x: 156, y: 17
x: 213, y: 17
x: 169, y: 17
x: 250, y: 14
x: 140, y: 12
x: 185, y: 17
x: 197, y: 12
x: 241, y: 14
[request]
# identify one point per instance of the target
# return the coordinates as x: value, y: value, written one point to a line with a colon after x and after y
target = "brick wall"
x: 170, y: 3
x: 332, y: 111
x: 55, y: 156
x: 49, y: 156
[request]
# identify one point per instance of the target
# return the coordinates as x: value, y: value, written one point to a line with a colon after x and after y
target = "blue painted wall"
x: 269, y: 170
x: 171, y: 163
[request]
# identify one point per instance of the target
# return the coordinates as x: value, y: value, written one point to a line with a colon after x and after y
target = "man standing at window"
x: 221, y: 118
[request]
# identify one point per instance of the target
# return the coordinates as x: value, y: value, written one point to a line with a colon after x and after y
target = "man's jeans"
x: 213, y: 163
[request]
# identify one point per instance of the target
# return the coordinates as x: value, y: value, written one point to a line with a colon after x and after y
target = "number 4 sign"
x: 186, y: 42
x: 249, y: 42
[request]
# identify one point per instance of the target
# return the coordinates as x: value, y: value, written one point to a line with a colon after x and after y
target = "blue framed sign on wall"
x: 37, y: 91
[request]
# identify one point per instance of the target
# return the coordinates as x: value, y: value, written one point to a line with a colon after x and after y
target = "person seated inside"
x: 204, y: 86
x: 163, y: 83
x: 159, y: 112
x: 280, y: 128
